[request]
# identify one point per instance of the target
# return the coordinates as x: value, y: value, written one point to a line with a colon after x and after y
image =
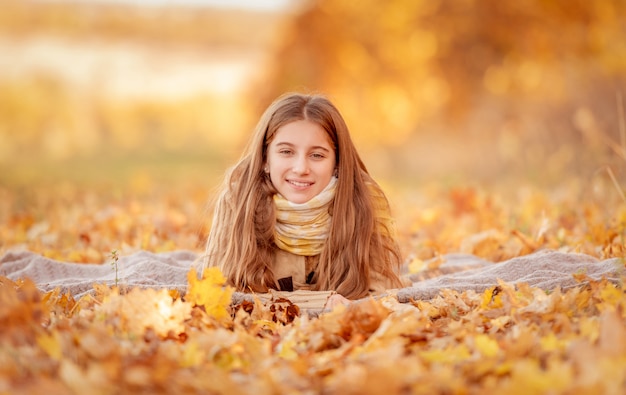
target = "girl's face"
x: 300, y: 160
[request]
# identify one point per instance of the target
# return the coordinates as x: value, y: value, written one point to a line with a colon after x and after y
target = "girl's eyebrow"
x: 284, y: 143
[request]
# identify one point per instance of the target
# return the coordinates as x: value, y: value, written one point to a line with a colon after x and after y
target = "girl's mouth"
x: 300, y: 184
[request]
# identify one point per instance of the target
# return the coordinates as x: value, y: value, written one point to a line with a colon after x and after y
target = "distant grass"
x: 159, y: 167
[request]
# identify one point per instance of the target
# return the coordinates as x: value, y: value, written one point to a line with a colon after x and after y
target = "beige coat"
x: 291, y: 269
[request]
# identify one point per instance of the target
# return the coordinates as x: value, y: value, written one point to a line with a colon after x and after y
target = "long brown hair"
x: 360, y: 240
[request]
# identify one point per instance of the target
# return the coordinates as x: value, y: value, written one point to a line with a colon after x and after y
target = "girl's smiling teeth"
x: 299, y: 183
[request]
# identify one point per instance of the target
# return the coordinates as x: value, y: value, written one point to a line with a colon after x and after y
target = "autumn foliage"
x: 117, y: 340
x: 517, y: 340
x: 496, y: 129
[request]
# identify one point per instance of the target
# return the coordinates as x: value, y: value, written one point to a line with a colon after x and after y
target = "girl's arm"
x: 335, y: 300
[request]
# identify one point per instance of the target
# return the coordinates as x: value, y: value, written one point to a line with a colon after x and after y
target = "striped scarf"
x: 302, y: 229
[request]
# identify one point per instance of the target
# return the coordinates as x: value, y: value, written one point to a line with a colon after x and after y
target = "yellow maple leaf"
x: 287, y: 347
x: 210, y: 292
x: 452, y: 354
x: 589, y: 328
x: 611, y: 296
x: 551, y: 342
x: 192, y: 355
x: 486, y: 345
x: 51, y: 344
x: 491, y: 299
x: 416, y: 266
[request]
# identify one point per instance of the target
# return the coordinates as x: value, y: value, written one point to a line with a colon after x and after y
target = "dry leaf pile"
x: 506, y: 340
x: 71, y: 223
x: 84, y: 224
x: 574, y: 217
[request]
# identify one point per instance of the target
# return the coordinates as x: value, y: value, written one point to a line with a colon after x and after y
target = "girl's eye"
x: 284, y: 152
x: 317, y: 155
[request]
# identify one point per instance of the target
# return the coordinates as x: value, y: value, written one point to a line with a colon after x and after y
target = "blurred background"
x: 497, y: 128
x: 470, y: 90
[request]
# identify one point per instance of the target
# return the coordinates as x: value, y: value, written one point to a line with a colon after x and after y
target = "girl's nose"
x: 301, y: 165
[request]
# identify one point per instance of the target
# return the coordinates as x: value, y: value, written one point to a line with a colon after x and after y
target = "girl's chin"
x: 297, y: 194
x: 298, y: 199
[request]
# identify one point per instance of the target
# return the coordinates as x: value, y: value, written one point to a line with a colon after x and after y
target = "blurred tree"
x: 402, y: 62
x: 46, y: 114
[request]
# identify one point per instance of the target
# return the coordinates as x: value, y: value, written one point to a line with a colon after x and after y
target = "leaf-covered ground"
x: 73, y: 222
x: 505, y: 340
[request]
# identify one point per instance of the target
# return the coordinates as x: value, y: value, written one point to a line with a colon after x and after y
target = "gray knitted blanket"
x: 460, y: 272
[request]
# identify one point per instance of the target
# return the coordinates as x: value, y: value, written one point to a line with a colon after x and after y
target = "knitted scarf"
x: 302, y: 229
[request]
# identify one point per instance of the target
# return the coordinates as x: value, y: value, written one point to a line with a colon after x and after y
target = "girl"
x: 300, y: 211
